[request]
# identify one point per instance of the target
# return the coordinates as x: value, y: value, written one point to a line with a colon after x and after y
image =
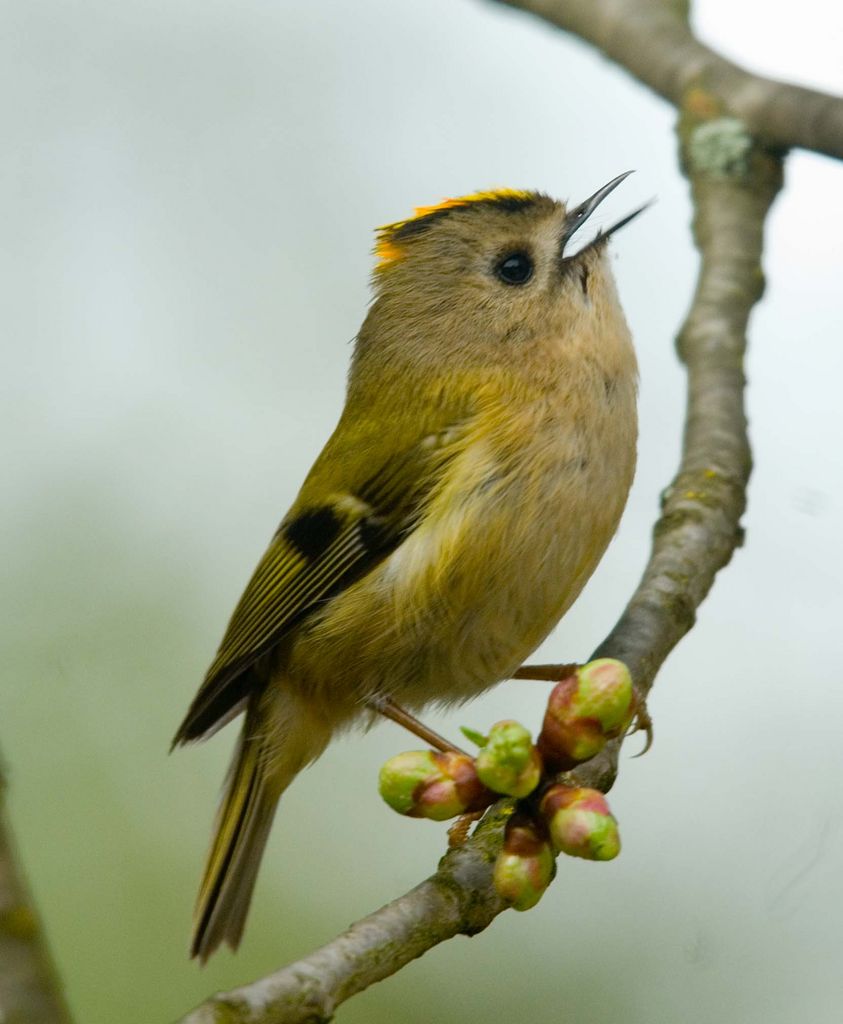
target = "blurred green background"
x: 188, y: 193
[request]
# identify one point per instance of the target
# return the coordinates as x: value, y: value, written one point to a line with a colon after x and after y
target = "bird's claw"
x: 641, y: 722
x: 458, y: 832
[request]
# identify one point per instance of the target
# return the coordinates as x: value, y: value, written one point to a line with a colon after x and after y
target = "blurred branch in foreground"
x: 30, y: 991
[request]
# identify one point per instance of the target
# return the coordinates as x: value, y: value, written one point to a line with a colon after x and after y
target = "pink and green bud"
x: 525, y: 865
x: 580, y: 823
x: 605, y: 694
x: 584, y: 710
x: 430, y: 784
x: 508, y: 762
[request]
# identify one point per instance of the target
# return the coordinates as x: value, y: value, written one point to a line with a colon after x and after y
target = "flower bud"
x: 580, y: 823
x: 605, y: 694
x: 584, y: 710
x: 525, y: 865
x: 430, y: 784
x: 508, y: 762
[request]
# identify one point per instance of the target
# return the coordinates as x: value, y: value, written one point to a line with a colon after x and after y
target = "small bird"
x: 477, y: 473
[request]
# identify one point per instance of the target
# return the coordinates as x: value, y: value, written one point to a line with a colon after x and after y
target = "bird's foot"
x: 458, y: 832
x: 641, y: 722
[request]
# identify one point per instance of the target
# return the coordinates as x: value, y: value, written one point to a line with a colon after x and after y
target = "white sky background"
x: 187, y: 196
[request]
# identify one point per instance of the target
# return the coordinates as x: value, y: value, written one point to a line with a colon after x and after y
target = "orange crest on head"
x: 388, y: 249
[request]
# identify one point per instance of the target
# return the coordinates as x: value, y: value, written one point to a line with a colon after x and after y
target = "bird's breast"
x: 504, y: 546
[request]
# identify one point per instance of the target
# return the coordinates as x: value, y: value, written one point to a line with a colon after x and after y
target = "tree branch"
x: 30, y: 992
x: 653, y: 41
x: 735, y: 174
x: 699, y: 526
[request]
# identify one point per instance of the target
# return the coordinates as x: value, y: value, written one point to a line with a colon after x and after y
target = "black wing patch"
x: 313, y: 531
x: 312, y: 558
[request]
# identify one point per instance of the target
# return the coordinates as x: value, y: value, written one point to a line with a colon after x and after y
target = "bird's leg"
x: 545, y: 673
x: 387, y: 707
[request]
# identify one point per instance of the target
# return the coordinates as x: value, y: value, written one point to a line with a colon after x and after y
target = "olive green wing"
x: 318, y: 551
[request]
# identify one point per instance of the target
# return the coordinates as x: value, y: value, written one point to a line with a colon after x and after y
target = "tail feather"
x: 240, y: 834
x: 265, y: 762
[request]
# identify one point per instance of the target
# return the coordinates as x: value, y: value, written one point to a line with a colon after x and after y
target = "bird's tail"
x: 272, y: 750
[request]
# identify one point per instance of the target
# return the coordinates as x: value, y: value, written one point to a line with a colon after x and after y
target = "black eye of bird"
x: 515, y: 268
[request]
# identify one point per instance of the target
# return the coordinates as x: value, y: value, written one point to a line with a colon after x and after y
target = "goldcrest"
x: 476, y: 475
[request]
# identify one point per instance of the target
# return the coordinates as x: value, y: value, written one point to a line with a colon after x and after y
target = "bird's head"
x: 508, y: 263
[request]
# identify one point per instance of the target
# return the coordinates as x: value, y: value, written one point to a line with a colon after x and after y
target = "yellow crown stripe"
x: 492, y: 196
x: 388, y: 252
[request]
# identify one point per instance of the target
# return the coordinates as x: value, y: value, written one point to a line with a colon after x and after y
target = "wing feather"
x: 316, y: 553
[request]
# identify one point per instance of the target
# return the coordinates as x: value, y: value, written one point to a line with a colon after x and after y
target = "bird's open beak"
x: 580, y: 214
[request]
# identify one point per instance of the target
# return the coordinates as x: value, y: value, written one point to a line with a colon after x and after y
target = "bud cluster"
x: 586, y: 709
